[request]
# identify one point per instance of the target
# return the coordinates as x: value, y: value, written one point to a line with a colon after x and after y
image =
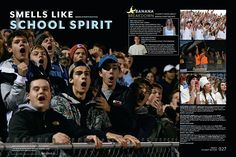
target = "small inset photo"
x: 203, y: 56
x: 203, y: 25
x: 203, y: 88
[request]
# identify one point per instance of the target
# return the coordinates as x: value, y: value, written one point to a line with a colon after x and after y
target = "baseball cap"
x: 111, y: 58
x: 168, y: 67
x: 203, y: 80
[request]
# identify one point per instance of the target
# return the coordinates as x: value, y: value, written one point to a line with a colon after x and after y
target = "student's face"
x: 207, y: 87
x: 6, y: 34
x: 154, y: 70
x: 193, y: 81
x: 137, y: 40
x: 168, y: 22
x: 146, y: 92
x: 40, y: 94
x: 80, y: 79
x: 171, y: 74
x: 49, y: 45
x: 97, y: 51
x: 223, y: 86
x: 39, y: 56
x: 129, y: 61
x: 175, y: 98
x: 156, y: 94
x: 150, y: 77
x: 66, y: 53
x: 203, y: 51
x: 20, y: 49
x: 207, y: 26
x: 79, y: 54
x: 121, y: 61
x: 189, y: 24
x: 110, y: 73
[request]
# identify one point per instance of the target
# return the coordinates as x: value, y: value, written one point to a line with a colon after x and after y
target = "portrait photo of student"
x: 137, y: 48
x: 169, y: 28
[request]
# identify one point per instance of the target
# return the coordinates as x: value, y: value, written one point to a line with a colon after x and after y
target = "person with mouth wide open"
x: 78, y: 100
x: 115, y: 99
x: 58, y: 73
x: 36, y: 121
x: 13, y: 74
x: 39, y: 61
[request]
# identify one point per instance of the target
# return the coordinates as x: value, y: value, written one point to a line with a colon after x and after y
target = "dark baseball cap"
x: 106, y: 58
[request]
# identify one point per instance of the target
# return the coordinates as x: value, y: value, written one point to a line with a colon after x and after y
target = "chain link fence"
x: 109, y: 149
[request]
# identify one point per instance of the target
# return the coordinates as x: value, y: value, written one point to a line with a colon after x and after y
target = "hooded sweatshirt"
x: 30, y: 125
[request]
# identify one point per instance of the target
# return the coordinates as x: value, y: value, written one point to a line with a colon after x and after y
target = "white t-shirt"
x: 168, y: 32
x: 219, y: 99
x: 137, y: 49
x: 199, y: 34
x: 184, y: 94
x: 209, y: 97
x: 221, y: 35
x: 187, y: 34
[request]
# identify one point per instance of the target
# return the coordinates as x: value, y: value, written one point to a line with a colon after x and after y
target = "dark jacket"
x: 145, y: 123
x: 30, y: 125
x: 75, y: 111
x: 9, y: 78
x: 56, y: 73
x: 3, y: 121
x: 68, y: 105
x: 121, y: 114
x: 34, y: 70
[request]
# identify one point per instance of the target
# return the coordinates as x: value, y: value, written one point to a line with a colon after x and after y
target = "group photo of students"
x: 51, y: 92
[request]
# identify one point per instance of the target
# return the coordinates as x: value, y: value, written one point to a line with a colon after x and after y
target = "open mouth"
x: 49, y: 47
x: 22, y: 50
x: 111, y: 78
x: 41, y: 98
x: 41, y: 61
x: 83, y: 84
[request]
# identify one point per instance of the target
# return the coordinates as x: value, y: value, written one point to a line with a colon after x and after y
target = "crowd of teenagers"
x: 202, y: 89
x: 60, y: 94
x: 202, y: 25
x: 203, y: 58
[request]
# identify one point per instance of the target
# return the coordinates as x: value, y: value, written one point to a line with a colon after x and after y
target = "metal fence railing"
x: 109, y: 149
